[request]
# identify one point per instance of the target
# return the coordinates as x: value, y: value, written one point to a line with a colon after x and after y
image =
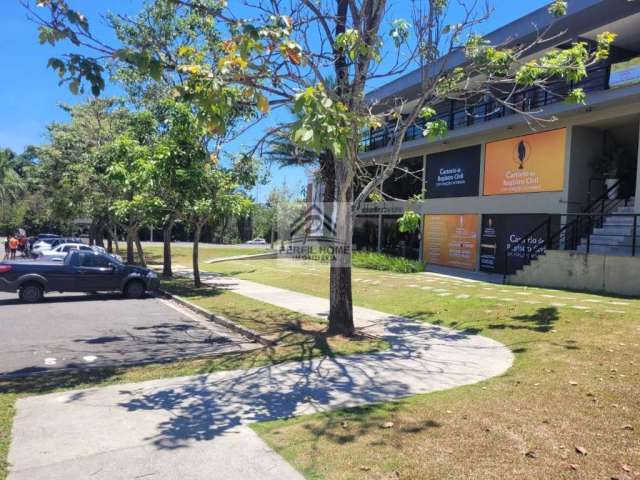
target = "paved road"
x: 197, y: 427
x: 102, y: 330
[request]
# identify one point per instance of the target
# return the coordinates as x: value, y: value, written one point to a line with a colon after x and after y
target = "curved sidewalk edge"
x: 196, y: 427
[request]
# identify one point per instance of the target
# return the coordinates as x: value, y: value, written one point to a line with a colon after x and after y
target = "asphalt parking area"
x: 77, y: 331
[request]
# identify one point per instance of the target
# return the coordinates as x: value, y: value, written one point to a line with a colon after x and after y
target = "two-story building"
x: 497, y: 192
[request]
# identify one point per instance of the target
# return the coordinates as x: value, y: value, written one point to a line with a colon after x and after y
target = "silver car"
x: 60, y: 252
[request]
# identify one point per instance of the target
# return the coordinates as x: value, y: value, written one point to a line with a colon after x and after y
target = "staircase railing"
x: 569, y: 235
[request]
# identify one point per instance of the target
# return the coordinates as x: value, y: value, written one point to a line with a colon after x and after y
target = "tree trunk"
x: 130, y: 239
x: 141, y: 259
x: 167, y: 230
x: 92, y: 233
x: 115, y: 240
x: 196, y: 245
x: 340, y: 298
x: 100, y: 235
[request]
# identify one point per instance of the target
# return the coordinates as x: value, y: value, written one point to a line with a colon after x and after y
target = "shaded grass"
x: 282, y: 325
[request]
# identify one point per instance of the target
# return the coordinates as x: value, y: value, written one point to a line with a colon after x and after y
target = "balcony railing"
x: 463, y: 116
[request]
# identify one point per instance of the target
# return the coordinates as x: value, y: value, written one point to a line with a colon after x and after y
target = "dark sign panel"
x: 365, y: 233
x: 455, y: 173
x: 500, y: 232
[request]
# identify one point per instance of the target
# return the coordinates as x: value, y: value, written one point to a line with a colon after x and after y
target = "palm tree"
x: 283, y: 152
x: 11, y: 184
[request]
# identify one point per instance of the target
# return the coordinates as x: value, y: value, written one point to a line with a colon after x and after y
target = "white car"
x: 256, y: 241
x: 42, y: 246
x: 60, y: 252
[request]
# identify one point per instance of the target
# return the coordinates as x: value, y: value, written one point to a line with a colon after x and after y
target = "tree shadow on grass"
x: 540, y: 321
x: 429, y: 317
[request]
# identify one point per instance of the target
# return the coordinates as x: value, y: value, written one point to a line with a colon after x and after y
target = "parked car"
x: 256, y: 241
x: 81, y: 271
x: 60, y: 252
x: 49, y: 243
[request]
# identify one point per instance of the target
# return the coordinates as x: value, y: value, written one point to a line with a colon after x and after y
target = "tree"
x: 281, y: 208
x: 181, y: 152
x: 70, y: 178
x: 216, y: 194
x: 320, y: 57
x: 175, y: 33
x: 131, y: 165
x: 11, y: 183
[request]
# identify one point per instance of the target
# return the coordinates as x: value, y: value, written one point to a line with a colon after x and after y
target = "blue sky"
x: 30, y: 95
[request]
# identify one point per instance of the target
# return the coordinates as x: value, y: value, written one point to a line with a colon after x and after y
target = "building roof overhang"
x: 583, y: 16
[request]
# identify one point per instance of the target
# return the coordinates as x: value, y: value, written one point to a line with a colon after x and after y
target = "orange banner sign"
x: 531, y: 163
x: 451, y: 240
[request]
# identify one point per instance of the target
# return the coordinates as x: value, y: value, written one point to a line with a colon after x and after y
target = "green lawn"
x: 182, y: 254
x: 575, y: 383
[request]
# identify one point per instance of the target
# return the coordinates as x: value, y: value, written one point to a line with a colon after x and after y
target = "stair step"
x: 627, y: 209
x: 616, y: 221
x: 608, y: 239
x: 618, y: 251
x: 615, y: 230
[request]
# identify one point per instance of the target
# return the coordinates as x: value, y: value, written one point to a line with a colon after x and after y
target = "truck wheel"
x: 31, y: 293
x: 134, y: 289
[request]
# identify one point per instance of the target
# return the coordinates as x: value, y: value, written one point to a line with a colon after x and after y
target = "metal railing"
x: 576, y: 232
x: 625, y: 241
x: 462, y: 116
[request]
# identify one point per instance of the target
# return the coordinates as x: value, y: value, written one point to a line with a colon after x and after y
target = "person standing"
x: 7, y: 250
x: 13, y: 246
x: 22, y: 245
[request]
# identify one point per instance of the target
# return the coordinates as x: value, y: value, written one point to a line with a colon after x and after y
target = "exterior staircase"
x: 615, y: 236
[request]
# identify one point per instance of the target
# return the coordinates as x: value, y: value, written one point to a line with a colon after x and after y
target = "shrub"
x: 380, y: 261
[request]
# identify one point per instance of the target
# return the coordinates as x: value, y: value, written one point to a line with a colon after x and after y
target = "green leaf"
x: 577, y: 96
x: 74, y: 87
x: 155, y: 70
x: 303, y: 135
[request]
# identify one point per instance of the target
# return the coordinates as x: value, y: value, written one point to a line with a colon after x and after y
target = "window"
x: 406, y: 181
x: 90, y: 259
x: 100, y: 261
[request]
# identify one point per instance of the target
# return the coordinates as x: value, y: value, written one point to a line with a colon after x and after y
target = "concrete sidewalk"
x: 196, y: 427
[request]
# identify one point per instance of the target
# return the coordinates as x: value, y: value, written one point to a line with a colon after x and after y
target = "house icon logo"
x: 522, y: 153
x: 313, y: 219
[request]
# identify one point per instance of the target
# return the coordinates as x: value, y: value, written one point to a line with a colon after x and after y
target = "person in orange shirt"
x: 13, y: 246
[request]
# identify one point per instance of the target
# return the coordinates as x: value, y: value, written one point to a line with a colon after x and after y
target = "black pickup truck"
x: 82, y: 271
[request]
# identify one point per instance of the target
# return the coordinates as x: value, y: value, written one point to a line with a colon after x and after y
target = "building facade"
x: 496, y: 192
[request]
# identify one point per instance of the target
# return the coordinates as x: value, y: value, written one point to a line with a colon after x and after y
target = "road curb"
x: 218, y: 319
